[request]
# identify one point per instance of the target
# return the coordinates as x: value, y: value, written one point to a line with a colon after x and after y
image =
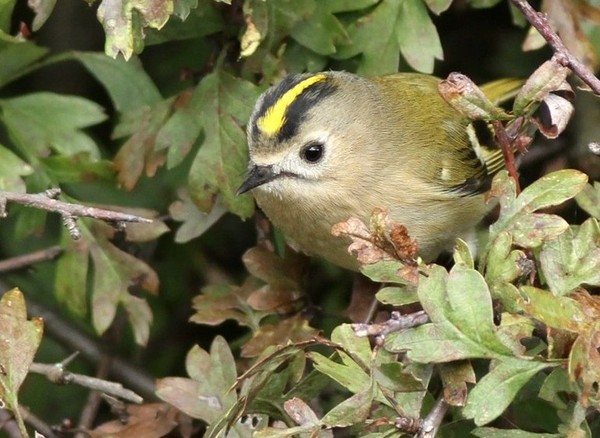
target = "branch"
x: 562, y: 54
x: 69, y: 212
x: 31, y: 258
x: 57, y: 374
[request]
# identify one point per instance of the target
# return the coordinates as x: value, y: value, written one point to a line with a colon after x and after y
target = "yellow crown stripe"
x: 274, y: 119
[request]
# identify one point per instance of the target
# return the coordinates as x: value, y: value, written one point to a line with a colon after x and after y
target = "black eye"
x: 312, y: 152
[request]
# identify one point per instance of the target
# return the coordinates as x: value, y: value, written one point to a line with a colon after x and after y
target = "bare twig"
x: 395, y: 323
x: 75, y: 340
x: 562, y: 54
x: 90, y: 410
x: 31, y: 258
x: 57, y: 374
x: 36, y: 423
x: 507, y: 150
x: 432, y: 421
x: 69, y: 212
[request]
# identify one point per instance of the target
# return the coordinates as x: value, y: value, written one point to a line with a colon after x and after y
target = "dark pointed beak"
x: 257, y: 176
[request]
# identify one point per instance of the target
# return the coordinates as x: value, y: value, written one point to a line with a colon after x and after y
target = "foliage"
x: 513, y: 338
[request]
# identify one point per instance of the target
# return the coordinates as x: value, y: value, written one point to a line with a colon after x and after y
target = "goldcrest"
x: 328, y: 146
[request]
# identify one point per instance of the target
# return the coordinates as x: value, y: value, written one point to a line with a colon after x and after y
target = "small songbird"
x: 325, y: 147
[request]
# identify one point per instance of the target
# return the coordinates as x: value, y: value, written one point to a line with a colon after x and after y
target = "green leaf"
x: 562, y: 313
x: 275, y: 20
x: 124, y: 21
x: 483, y: 3
x: 205, y: 395
x: 194, y: 222
x: 573, y: 258
x: 490, y: 432
x: 219, y: 166
x: 348, y: 374
x: 38, y: 122
x: 71, y: 274
x: 417, y: 36
x: 322, y: 32
x: 589, y: 199
x: 127, y: 84
x: 114, y: 272
x: 78, y: 168
x: 462, y: 327
x: 357, y: 346
x: 353, y: 410
x: 16, y: 58
x: 12, y: 168
x: 396, y: 296
x: 504, y: 265
x: 516, y: 214
x: 6, y: 12
x: 503, y: 381
x: 400, y: 27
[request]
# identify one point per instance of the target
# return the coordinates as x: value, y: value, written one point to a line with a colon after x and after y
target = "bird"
x: 327, y: 146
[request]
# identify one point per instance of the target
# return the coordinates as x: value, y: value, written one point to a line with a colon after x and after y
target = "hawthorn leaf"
x: 19, y: 341
x: 503, y: 381
x: 573, y: 258
x: 16, y: 58
x: 12, y: 168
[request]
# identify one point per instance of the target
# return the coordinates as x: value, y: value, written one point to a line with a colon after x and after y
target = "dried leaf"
x: 152, y: 420
x: 19, y: 341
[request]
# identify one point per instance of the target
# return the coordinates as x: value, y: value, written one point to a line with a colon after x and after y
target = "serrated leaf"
x: 204, y: 396
x: 504, y: 381
x: 460, y: 309
x: 380, y: 55
x: 196, y: 21
x: 194, y: 222
x: 357, y: 346
x: 19, y: 341
x: 219, y: 166
x: 12, y: 168
x: 138, y: 154
x: 124, y: 21
x: 397, y: 296
x: 573, y: 258
x: 353, y: 410
x: 348, y: 374
x: 126, y: 82
x: 516, y: 213
x: 562, y: 313
x: 114, y: 272
x: 322, y: 31
x: 38, y: 122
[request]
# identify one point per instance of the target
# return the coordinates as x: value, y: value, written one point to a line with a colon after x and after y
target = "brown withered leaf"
x: 383, y: 240
x: 584, y: 362
x: 152, y: 420
x: 455, y: 376
x: 290, y: 330
x: 282, y: 276
x: 218, y: 303
x: 363, y: 244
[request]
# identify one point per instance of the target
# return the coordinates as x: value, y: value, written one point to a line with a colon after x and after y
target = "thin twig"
x: 36, y: 423
x: 29, y: 259
x: 395, y: 323
x: 507, y: 150
x: 562, y: 54
x: 57, y: 374
x: 90, y: 410
x: 431, y: 423
x: 69, y: 212
x: 73, y: 339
